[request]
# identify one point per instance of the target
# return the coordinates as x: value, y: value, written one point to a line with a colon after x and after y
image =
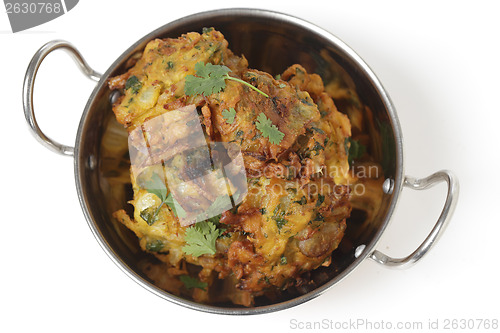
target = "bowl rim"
x: 81, y: 161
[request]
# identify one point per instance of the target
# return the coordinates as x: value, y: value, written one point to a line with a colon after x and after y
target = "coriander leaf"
x: 200, y: 239
x: 354, y: 149
x: 191, y: 282
x: 220, y: 205
x: 229, y: 115
x: 268, y: 130
x: 210, y: 79
x: 175, y: 206
x: 247, y: 84
x: 214, y: 219
x: 134, y: 84
x: 203, y: 86
x: 209, y: 69
x: 157, y: 186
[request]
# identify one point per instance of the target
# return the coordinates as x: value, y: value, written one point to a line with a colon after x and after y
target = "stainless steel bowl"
x: 271, y: 42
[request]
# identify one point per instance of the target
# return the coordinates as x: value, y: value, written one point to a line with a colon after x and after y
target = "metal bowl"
x: 271, y: 42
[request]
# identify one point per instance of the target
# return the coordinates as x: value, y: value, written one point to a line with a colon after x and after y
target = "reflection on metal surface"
x: 388, y: 186
x: 200, y: 180
x: 359, y: 250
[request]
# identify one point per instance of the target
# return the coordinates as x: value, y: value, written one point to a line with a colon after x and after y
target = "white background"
x: 439, y: 61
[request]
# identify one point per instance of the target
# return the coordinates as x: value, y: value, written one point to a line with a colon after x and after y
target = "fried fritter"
x: 292, y: 212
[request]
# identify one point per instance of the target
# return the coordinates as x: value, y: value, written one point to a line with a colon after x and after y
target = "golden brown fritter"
x: 161, y: 70
x: 293, y: 212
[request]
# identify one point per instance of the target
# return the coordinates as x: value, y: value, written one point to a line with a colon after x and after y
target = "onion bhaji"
x: 293, y: 212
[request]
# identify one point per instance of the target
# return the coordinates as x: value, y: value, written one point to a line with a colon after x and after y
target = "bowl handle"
x: 442, y: 222
x: 29, y: 81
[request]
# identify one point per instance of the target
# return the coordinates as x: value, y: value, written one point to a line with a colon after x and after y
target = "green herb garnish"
x: 317, y: 147
x: 157, y: 186
x: 149, y: 215
x: 206, y: 30
x: 319, y: 217
x: 134, y: 84
x: 200, y: 239
x: 219, y: 205
x: 211, y: 79
x: 191, y: 282
x: 302, y: 201
x: 283, y: 260
x: 321, y: 198
x: 319, y: 130
x: 214, y: 219
x: 279, y: 217
x: 229, y: 115
x: 268, y: 130
x: 154, y: 246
